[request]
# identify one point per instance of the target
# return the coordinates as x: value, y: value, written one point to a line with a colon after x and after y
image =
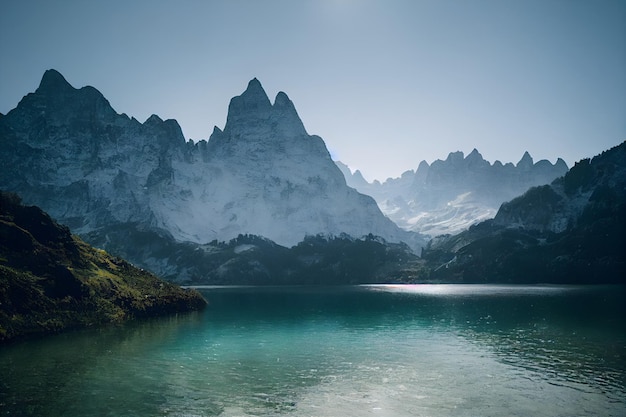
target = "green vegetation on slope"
x: 254, y: 260
x: 51, y: 281
x: 518, y: 246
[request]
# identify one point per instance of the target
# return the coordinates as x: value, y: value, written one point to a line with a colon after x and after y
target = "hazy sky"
x: 385, y: 83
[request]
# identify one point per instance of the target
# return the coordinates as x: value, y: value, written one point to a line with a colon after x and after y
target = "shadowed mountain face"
x: 100, y: 172
x: 570, y: 231
x: 51, y: 281
x: 449, y: 196
x: 223, y: 210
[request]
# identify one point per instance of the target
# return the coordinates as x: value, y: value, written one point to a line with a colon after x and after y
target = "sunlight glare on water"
x: 420, y: 350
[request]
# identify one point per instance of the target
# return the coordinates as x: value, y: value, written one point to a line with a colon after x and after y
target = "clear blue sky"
x: 385, y: 83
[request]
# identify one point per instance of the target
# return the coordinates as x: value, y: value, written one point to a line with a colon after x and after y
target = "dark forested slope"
x: 51, y: 281
x: 571, y: 231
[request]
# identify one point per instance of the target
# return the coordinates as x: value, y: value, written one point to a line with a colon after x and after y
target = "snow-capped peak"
x: 262, y: 174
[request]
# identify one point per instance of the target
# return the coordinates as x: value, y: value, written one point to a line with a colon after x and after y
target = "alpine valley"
x: 262, y: 202
x: 451, y: 195
x: 140, y: 191
x: 570, y: 231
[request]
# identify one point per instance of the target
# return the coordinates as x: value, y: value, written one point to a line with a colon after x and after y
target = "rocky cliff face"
x: 270, y: 178
x: 570, y: 231
x: 68, y: 151
x: 449, y: 196
x: 560, y: 205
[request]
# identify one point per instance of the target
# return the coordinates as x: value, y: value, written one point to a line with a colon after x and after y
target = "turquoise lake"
x: 388, y: 350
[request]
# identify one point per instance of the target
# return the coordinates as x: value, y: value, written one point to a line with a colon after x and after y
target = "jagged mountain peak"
x: 285, y: 112
x: 423, y: 165
x: 153, y: 119
x: 251, y: 106
x: 170, y: 126
x: 526, y: 161
x: 283, y: 101
x: 252, y: 118
x: 254, y: 85
x: 262, y: 174
x: 476, y: 161
x: 253, y: 96
x: 450, y: 195
x: 52, y: 80
x: 64, y: 103
x: 455, y: 157
x: 474, y: 155
x: 568, y: 231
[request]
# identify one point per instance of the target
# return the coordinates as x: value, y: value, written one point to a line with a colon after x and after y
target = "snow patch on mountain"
x: 448, y: 196
x: 263, y: 174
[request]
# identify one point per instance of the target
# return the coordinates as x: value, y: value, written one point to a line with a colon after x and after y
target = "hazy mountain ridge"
x: 51, y: 281
x: 94, y: 169
x: 571, y: 231
x: 448, y: 196
x: 223, y: 211
x: 250, y: 259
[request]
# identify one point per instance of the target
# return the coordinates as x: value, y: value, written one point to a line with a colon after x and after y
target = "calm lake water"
x: 419, y: 350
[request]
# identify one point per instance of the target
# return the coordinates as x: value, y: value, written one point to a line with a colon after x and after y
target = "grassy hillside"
x: 52, y: 281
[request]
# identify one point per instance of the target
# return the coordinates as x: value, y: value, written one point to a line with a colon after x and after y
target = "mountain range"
x: 447, y: 197
x: 262, y: 202
x: 113, y: 180
x: 570, y: 231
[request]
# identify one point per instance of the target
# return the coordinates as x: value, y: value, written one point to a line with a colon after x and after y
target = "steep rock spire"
x: 255, y: 126
x: 526, y: 161
x: 286, y: 116
x: 251, y: 106
x: 455, y: 157
x: 476, y: 161
x: 53, y: 81
x: 474, y: 155
x: 65, y: 104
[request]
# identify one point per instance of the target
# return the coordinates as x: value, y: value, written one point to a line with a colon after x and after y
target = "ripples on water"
x: 424, y: 350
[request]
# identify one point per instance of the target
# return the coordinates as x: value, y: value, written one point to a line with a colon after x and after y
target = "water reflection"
x: 85, y: 371
x: 566, y: 334
x: 383, y: 350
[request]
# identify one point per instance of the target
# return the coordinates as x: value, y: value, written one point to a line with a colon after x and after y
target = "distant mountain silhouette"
x: 449, y: 196
x: 570, y: 231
